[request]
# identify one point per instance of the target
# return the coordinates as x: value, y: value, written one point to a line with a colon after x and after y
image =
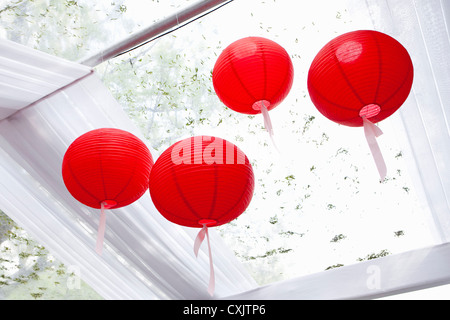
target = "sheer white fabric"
x: 26, y: 78
x: 145, y: 256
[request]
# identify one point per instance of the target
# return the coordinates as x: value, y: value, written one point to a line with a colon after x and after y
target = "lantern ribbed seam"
x: 398, y: 89
x: 239, y: 78
x: 380, y: 68
x: 213, y: 204
x: 128, y: 182
x: 282, y: 86
x: 338, y: 63
x: 240, y: 198
x: 265, y: 71
x: 186, y: 202
x: 317, y: 92
x: 74, y: 177
x: 178, y: 217
x: 101, y: 172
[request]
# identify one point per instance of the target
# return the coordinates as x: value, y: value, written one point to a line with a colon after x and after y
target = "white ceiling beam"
x: 391, y: 275
x: 152, y: 31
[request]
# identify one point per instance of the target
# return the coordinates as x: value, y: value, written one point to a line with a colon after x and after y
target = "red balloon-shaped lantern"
x: 358, y: 76
x: 202, y: 182
x: 253, y: 75
x: 106, y: 168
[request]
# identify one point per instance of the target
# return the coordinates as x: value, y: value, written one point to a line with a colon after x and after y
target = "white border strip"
x: 151, y: 31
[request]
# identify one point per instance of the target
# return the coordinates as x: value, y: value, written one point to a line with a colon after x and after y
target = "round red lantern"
x: 358, y: 76
x: 253, y: 75
x: 202, y: 182
x: 106, y: 168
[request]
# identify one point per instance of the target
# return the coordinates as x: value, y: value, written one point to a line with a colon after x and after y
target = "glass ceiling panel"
x: 318, y: 203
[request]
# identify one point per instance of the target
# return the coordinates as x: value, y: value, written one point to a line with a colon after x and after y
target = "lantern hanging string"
x: 198, y: 241
x: 101, y: 230
x: 372, y: 132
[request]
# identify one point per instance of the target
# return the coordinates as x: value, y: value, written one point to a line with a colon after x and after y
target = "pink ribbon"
x: 198, y: 241
x: 101, y: 230
x: 372, y: 132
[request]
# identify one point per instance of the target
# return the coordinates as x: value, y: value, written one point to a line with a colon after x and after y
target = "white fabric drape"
x: 24, y: 81
x: 145, y: 256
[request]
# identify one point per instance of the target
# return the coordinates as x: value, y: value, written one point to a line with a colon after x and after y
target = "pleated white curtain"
x: 423, y: 27
x: 145, y: 256
x: 422, y: 126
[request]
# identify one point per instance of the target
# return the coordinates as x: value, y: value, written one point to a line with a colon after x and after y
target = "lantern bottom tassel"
x: 198, y: 241
x: 101, y: 230
x: 372, y: 132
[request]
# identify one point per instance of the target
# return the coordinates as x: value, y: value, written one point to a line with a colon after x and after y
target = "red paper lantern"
x: 358, y: 76
x: 106, y: 169
x: 202, y: 182
x: 253, y: 75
